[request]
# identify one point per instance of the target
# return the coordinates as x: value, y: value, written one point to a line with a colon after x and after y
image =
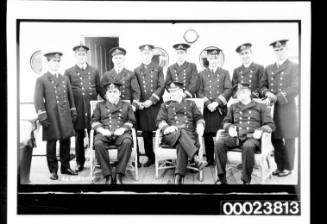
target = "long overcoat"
x: 53, y: 100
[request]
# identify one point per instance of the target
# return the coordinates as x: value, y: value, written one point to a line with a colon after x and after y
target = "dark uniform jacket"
x: 184, y: 115
x: 248, y: 118
x: 251, y: 75
x: 214, y: 87
x: 53, y: 100
x: 130, y: 89
x: 112, y: 117
x: 86, y: 86
x: 186, y: 73
x: 152, y: 86
x: 283, y: 82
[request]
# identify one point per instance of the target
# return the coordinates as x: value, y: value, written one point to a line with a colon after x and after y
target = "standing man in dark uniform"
x: 130, y: 89
x: 112, y: 120
x: 244, y: 124
x: 215, y: 88
x: 181, y: 122
x: 54, y: 104
x: 85, y: 82
x: 248, y: 72
x: 183, y: 71
x: 151, y: 81
x: 280, y: 85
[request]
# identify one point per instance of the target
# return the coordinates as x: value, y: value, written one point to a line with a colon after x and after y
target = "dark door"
x: 99, y: 52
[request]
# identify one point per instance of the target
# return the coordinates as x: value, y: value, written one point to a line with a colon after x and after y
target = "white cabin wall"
x: 63, y: 36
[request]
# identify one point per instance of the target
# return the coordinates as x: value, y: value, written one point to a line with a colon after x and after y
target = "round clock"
x: 191, y: 36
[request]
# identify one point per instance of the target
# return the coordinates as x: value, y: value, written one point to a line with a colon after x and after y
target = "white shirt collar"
x: 118, y: 71
x: 82, y: 66
x: 54, y: 73
x: 247, y: 65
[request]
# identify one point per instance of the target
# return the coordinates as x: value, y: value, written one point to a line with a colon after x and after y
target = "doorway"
x: 99, y: 52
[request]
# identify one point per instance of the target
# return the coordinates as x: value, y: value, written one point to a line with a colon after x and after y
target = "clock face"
x: 36, y: 62
x: 160, y: 57
x: 204, y: 61
x: 191, y: 36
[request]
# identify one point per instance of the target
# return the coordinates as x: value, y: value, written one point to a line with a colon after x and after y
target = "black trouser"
x: 284, y: 153
x: 209, y: 145
x: 248, y: 149
x: 184, y: 141
x: 148, y: 144
x: 25, y: 163
x: 124, y: 153
x: 64, y: 150
x: 79, y: 146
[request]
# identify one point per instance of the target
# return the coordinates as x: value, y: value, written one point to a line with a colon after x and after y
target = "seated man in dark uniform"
x: 181, y: 122
x: 112, y: 120
x: 245, y: 122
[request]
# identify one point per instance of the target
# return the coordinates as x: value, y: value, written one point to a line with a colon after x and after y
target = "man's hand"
x: 147, y: 103
x: 200, y: 130
x: 170, y: 129
x: 232, y: 131
x: 141, y: 106
x: 257, y: 134
x: 104, y: 132
x: 133, y: 107
x: 74, y: 115
x: 272, y: 97
x: 119, y: 131
x: 212, y: 106
x: 184, y: 95
x: 45, y: 123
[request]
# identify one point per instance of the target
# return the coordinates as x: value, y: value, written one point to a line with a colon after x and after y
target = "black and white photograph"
x: 148, y: 108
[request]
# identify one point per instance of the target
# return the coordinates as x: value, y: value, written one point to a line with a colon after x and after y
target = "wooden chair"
x: 112, y: 150
x: 263, y: 159
x: 165, y: 157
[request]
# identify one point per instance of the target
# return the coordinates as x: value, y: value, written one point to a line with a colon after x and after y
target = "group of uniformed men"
x: 63, y: 106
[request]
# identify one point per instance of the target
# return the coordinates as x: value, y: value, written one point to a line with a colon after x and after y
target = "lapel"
x: 53, y: 79
x: 180, y: 68
x: 282, y: 67
x: 111, y: 107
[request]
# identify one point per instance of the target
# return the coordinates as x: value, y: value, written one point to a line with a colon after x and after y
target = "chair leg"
x: 92, y: 165
x: 201, y: 175
x: 136, y: 168
x: 156, y: 167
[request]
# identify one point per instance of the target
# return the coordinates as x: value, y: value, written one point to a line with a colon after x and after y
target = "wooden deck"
x: 40, y: 175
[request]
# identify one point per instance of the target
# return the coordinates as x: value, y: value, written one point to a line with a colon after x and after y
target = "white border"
x: 158, y: 10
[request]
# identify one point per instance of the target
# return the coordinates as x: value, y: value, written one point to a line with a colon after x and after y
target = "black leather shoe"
x: 79, y: 168
x: 69, y: 172
x: 53, y: 176
x: 284, y: 173
x: 109, y: 180
x: 222, y: 181
x: 149, y: 163
x: 178, y: 179
x: 276, y: 172
x: 119, y: 178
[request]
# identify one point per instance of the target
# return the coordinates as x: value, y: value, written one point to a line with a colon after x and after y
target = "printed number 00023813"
x: 260, y: 207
